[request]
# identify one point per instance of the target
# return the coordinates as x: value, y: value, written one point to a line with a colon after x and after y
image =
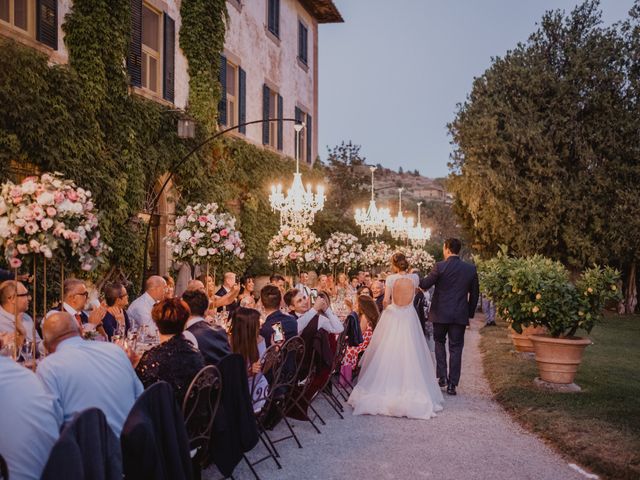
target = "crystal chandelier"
x: 298, y: 207
x: 372, y: 221
x: 399, y: 226
x: 418, y: 235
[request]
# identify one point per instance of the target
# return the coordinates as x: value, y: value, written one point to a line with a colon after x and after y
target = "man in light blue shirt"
x: 82, y: 374
x: 30, y: 421
x: 140, y: 309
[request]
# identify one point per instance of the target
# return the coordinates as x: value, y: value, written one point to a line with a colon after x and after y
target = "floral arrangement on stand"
x: 204, y: 236
x: 419, y: 258
x: 42, y: 215
x: 342, y: 251
x: 376, y: 255
x: 295, y: 248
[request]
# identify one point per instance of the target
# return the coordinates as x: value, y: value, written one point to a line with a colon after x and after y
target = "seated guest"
x: 354, y: 284
x: 246, y: 298
x: 14, y: 299
x: 228, y: 286
x: 295, y: 302
x: 29, y: 423
x: 9, y: 275
x: 303, y: 286
x: 116, y: 319
x: 214, y: 302
x: 140, y: 309
x: 246, y: 340
x: 364, y: 290
x: 271, y: 299
x: 327, y: 320
x: 171, y: 286
x: 377, y: 289
x: 278, y: 280
x: 73, y: 302
x: 213, y: 342
x: 368, y: 315
x: 81, y: 374
x: 175, y: 361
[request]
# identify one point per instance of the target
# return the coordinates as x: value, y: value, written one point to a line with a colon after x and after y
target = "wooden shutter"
x: 134, y: 58
x: 309, y: 128
x: 242, y: 99
x: 169, y: 60
x: 277, y: 17
x: 265, y: 114
x: 298, y: 116
x: 47, y: 22
x: 302, y: 42
x: 280, y: 122
x: 222, y: 105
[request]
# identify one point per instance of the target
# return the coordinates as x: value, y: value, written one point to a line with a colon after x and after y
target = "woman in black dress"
x: 116, y: 318
x: 175, y: 361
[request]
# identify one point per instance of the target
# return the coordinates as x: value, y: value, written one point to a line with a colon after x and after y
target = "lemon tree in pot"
x: 559, y: 353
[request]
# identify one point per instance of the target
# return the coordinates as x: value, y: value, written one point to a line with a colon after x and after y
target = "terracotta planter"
x: 522, y: 342
x: 558, y: 358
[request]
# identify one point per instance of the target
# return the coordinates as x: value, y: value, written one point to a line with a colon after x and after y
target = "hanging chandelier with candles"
x: 298, y: 207
x: 419, y: 235
x: 400, y: 226
x: 372, y: 221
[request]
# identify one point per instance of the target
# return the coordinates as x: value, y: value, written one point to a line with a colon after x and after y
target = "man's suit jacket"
x: 232, y: 306
x: 213, y: 342
x: 289, y: 326
x: 456, y: 294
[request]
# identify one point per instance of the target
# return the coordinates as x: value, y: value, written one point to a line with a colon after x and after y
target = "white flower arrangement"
x: 342, y: 250
x: 295, y: 248
x: 419, y: 258
x: 376, y: 254
x: 203, y: 235
x: 41, y: 215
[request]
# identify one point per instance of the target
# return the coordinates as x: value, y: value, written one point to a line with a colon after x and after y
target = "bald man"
x: 81, y: 374
x: 140, y: 309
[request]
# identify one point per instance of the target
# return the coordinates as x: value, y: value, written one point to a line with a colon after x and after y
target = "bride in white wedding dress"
x: 398, y: 378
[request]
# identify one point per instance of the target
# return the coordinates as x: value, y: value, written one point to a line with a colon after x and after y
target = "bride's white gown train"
x: 398, y: 377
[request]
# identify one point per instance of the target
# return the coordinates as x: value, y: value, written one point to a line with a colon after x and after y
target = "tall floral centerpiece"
x: 295, y: 248
x: 342, y: 251
x: 47, y: 214
x: 419, y: 259
x: 376, y: 255
x: 205, y: 236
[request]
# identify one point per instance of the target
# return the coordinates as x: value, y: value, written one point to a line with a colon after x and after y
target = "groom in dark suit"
x: 454, y: 302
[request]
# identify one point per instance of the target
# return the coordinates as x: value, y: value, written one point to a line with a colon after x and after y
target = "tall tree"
x: 547, y: 145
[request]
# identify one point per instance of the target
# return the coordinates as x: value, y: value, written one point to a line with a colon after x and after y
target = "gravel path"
x: 473, y: 438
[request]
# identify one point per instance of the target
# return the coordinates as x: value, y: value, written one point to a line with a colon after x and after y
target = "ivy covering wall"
x: 80, y: 119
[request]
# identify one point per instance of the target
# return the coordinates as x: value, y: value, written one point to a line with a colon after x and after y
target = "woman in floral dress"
x: 368, y: 314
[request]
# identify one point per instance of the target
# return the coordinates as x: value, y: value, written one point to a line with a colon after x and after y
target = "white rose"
x: 5, y: 231
x: 202, y: 252
x: 28, y: 187
x: 45, y: 198
x: 184, y: 235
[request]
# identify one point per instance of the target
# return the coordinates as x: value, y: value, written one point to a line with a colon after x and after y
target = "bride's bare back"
x: 403, y: 291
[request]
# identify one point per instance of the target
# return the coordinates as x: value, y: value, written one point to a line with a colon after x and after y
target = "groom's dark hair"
x: 453, y: 245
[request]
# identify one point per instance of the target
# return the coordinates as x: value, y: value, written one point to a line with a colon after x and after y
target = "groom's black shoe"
x: 451, y: 389
x: 442, y: 381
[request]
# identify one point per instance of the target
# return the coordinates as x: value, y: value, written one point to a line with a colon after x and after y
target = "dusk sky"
x: 392, y: 74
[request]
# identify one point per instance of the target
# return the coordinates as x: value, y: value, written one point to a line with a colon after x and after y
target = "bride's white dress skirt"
x: 398, y: 377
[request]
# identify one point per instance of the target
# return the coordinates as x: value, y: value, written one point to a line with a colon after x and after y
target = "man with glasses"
x: 14, y: 300
x: 74, y: 301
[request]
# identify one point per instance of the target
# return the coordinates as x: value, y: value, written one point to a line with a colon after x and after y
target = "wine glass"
x: 26, y: 351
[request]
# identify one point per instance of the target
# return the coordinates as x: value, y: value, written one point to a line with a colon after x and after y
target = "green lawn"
x: 599, y: 428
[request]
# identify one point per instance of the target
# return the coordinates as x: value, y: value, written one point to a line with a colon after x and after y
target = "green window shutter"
x: 134, y: 58
x: 265, y: 114
x: 222, y: 105
x: 280, y: 122
x: 47, y: 22
x: 242, y: 99
x: 309, y: 128
x: 169, y: 54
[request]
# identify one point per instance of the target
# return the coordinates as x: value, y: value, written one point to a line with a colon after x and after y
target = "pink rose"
x: 30, y: 228
x: 72, y: 195
x: 94, y: 242
x: 59, y: 197
x: 23, y: 248
x: 51, y: 211
x: 15, y: 262
x: 224, y: 232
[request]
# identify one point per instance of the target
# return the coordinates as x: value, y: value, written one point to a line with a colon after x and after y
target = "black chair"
x: 326, y: 391
x: 4, y: 470
x: 154, y: 438
x: 286, y: 373
x: 199, y: 409
x: 87, y: 449
x: 337, y: 377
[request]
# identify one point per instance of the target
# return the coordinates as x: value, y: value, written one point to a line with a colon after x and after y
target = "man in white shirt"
x: 299, y: 307
x: 81, y: 374
x: 302, y: 285
x: 30, y: 422
x: 74, y: 301
x: 16, y: 298
x: 140, y: 309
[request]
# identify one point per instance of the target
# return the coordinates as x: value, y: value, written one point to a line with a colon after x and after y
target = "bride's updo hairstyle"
x: 399, y: 261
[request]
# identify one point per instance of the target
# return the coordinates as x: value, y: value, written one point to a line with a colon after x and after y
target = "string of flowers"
x: 295, y: 248
x: 342, y: 250
x: 42, y: 215
x: 203, y: 235
x: 376, y: 254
